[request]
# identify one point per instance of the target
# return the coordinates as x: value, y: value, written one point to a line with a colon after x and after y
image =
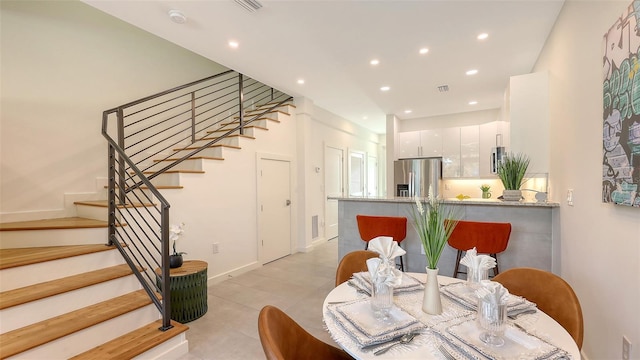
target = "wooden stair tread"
x: 177, y: 171
x: 212, y: 146
x: 10, y: 258
x: 237, y: 135
x: 50, y: 224
x: 31, y: 336
x: 105, y: 204
x: 133, y: 343
x: 246, y: 127
x: 191, y: 158
x: 54, y: 287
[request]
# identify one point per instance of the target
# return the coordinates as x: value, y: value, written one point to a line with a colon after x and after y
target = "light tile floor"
x: 297, y: 284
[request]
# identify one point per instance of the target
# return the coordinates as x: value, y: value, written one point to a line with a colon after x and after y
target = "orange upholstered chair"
x: 550, y: 293
x: 487, y: 237
x: 353, y: 262
x: 370, y: 227
x: 283, y: 339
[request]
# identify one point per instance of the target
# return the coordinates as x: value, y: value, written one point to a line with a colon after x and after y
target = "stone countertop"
x: 470, y: 201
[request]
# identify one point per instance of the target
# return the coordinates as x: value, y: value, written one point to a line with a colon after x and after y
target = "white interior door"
x: 372, y: 176
x: 333, y: 164
x: 275, y: 209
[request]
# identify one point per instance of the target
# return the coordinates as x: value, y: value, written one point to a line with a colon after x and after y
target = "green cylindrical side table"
x: 188, y: 288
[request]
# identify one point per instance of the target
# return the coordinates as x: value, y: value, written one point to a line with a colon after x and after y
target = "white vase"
x: 431, y: 303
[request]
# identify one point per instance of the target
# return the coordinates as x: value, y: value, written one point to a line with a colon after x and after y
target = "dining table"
x: 453, y: 334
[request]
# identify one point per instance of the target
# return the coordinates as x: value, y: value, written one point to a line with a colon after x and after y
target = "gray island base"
x: 534, y: 241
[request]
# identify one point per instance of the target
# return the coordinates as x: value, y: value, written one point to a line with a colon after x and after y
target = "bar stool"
x: 370, y: 227
x: 487, y: 237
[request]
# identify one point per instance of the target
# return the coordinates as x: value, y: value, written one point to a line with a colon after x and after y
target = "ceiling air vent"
x: 249, y: 5
x: 443, y: 88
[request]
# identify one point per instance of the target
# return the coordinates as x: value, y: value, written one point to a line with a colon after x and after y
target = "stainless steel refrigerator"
x: 412, y: 177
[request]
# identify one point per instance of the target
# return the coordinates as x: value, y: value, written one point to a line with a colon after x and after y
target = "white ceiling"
x: 330, y: 43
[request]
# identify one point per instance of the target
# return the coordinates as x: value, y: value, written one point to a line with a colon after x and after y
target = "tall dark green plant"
x: 512, y: 169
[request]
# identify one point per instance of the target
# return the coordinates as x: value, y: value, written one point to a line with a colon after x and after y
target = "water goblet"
x: 492, y: 319
x: 381, y: 300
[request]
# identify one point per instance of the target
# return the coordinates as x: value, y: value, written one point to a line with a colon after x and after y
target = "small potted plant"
x: 175, y: 259
x: 511, y: 172
x: 485, y: 191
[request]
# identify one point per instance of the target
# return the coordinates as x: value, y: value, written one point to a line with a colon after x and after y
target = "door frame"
x: 276, y: 157
x: 342, y: 181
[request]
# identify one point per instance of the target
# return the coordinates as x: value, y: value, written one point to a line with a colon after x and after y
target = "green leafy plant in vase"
x: 434, y: 222
x: 511, y: 171
x: 486, y: 194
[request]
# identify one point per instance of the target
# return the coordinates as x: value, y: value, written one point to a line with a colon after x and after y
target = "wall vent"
x: 443, y: 88
x: 314, y: 226
x: 249, y: 5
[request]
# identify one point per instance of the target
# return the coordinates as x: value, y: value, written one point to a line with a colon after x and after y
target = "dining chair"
x: 353, y: 262
x: 370, y: 227
x: 487, y: 237
x: 283, y: 339
x: 550, y: 293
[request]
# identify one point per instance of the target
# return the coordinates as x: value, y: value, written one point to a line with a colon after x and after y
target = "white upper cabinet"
x: 451, y: 152
x: 470, y: 151
x: 416, y: 144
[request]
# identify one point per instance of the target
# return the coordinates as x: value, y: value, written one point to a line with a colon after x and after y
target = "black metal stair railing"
x: 148, y: 137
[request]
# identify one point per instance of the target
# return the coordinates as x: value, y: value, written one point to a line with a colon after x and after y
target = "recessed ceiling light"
x: 385, y: 88
x: 408, y: 111
x: 483, y: 36
x: 472, y: 72
x: 473, y: 102
x: 374, y: 62
x: 300, y: 81
x: 365, y: 117
x: 177, y: 16
x: 233, y: 44
x: 423, y: 51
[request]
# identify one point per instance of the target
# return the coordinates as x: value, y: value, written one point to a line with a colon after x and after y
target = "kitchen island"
x: 534, y: 241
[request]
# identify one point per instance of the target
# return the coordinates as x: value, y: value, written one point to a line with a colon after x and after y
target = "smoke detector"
x: 177, y: 16
x: 249, y: 5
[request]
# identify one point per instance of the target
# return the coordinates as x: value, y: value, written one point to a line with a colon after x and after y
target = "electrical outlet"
x: 215, y: 247
x: 626, y: 348
x: 570, y: 197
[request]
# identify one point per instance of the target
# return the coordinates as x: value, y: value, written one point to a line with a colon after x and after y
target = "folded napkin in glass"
x: 464, y: 336
x: 357, y: 319
x: 466, y: 296
x: 362, y: 281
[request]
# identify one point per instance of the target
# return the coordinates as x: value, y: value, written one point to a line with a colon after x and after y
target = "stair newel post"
x: 241, y: 103
x: 121, y: 161
x: 166, y: 294
x: 193, y: 117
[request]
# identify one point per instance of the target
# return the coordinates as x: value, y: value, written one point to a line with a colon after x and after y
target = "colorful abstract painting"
x: 621, y: 110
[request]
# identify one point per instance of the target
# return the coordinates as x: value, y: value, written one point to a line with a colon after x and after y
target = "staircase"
x: 79, y: 299
x: 74, y: 301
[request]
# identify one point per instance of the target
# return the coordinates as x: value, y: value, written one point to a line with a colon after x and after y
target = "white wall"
x: 600, y: 242
x: 63, y: 63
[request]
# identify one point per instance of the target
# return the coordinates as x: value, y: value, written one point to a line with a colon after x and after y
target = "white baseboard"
x: 232, y: 273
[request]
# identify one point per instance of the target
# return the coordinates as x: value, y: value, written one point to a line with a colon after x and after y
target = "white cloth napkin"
x: 386, y: 247
x: 384, y: 270
x: 492, y: 292
x: 477, y: 262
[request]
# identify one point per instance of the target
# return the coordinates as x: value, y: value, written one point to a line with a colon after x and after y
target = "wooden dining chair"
x: 370, y: 227
x: 351, y: 263
x: 550, y: 293
x: 487, y: 237
x: 283, y: 339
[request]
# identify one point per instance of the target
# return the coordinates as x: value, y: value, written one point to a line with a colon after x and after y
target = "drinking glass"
x: 492, y: 319
x: 474, y: 276
x: 381, y: 300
